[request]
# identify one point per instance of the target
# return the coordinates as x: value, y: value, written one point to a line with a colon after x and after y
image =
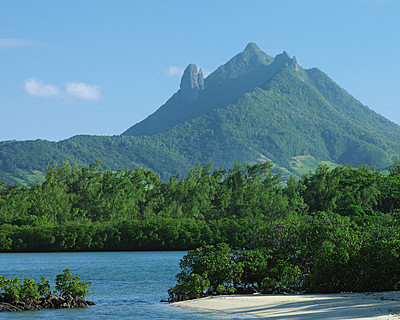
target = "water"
x: 126, y: 285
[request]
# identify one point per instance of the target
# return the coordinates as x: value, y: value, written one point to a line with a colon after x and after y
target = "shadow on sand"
x: 382, y: 305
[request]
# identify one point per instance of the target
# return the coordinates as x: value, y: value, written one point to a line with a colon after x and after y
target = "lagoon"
x: 126, y: 285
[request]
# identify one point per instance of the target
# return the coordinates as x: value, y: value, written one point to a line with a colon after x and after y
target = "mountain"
x: 252, y: 109
x: 198, y: 96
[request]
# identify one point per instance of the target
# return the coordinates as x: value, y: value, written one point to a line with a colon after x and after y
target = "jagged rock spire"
x: 284, y: 59
x: 192, y: 83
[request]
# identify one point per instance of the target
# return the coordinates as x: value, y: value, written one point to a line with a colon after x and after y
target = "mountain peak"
x: 252, y: 47
x: 250, y: 59
x: 191, y: 83
x: 284, y: 59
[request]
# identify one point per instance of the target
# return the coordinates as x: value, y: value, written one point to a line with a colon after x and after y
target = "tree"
x: 69, y: 285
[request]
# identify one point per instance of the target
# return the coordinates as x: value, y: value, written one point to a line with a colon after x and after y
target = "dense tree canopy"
x: 91, y: 209
x: 332, y: 230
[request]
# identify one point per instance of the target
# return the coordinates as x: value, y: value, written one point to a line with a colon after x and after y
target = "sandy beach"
x: 359, y: 306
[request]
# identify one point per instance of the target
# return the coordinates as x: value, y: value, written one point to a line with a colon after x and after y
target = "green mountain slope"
x: 252, y: 109
x: 23, y: 162
x: 197, y: 95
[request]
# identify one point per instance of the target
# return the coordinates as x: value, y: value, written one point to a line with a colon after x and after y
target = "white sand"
x: 358, y: 306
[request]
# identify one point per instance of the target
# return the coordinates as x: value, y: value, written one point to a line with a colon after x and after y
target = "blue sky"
x: 98, y: 67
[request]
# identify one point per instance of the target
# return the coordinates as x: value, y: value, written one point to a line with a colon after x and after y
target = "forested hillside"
x: 23, y: 162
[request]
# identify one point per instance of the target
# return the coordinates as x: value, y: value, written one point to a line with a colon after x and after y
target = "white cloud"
x: 175, y: 71
x: 37, y: 88
x: 77, y: 90
x: 16, y: 43
x: 83, y: 91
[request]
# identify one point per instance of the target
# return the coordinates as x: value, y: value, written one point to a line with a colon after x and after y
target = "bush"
x: 66, y: 284
x: 194, y: 288
x: 69, y: 285
x: 211, y: 262
x: 44, y: 288
x: 29, y: 290
x: 11, y: 288
x: 14, y: 291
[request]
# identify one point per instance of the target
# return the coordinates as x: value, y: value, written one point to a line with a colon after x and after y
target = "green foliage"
x: 69, y: 285
x: 341, y: 235
x: 44, y: 288
x: 66, y: 284
x: 89, y: 209
x: 15, y: 291
x: 194, y: 287
x: 330, y: 231
x: 11, y: 288
x: 29, y: 290
x: 214, y: 262
x: 231, y: 290
x: 251, y: 267
x: 228, y: 271
x: 327, y: 253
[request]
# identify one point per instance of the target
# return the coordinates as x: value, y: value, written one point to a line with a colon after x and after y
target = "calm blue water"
x: 126, y: 285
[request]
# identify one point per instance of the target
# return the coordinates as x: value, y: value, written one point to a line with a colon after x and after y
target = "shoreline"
x: 50, y: 302
x: 343, y: 306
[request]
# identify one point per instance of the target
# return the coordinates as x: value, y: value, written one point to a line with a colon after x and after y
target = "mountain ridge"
x: 244, y: 68
x: 254, y: 108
